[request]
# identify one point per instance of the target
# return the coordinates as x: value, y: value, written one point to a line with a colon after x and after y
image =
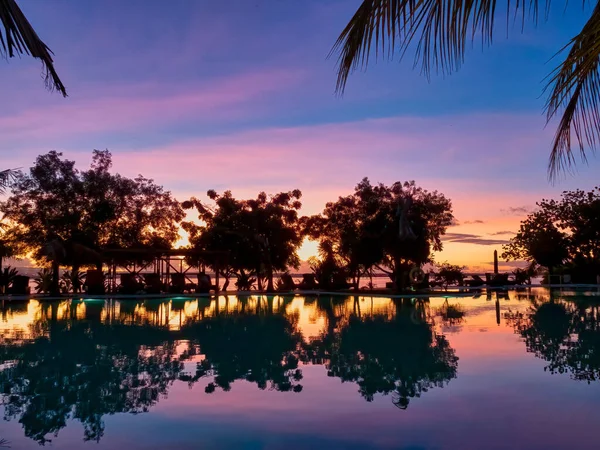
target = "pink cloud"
x: 387, y: 150
x: 325, y: 161
x: 146, y: 107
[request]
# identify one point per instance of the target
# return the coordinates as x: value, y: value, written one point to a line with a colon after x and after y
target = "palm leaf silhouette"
x: 440, y: 32
x: 17, y: 37
x: 6, y: 176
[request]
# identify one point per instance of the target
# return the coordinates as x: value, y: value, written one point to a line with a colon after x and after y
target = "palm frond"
x: 6, y: 176
x: 441, y: 30
x: 19, y: 38
x: 575, y: 91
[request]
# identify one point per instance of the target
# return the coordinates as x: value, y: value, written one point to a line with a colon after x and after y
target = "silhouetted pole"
x: 497, y: 310
x: 495, y: 262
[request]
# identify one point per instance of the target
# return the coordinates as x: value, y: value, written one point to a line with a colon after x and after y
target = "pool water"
x: 509, y: 370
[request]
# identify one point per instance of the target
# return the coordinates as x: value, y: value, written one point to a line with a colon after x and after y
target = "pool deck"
x: 455, y: 291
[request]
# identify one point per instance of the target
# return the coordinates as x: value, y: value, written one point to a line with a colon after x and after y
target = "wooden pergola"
x: 163, y: 262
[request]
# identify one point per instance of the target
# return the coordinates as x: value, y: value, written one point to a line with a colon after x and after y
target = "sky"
x: 240, y: 95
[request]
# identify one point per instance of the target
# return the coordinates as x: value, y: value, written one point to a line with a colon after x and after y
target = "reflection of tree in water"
x: 82, y: 365
x: 85, y: 370
x: 564, y: 333
x: 257, y: 346
x: 451, y: 316
x: 402, y: 356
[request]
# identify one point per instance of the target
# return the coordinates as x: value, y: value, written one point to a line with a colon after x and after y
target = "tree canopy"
x: 93, y: 209
x: 538, y: 240
x: 348, y: 230
x: 394, y: 227
x: 261, y: 235
x: 562, y: 231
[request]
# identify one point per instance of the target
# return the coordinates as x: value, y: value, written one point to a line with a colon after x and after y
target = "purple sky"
x: 240, y: 95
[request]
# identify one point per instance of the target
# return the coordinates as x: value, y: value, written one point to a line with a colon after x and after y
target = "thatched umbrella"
x: 17, y: 37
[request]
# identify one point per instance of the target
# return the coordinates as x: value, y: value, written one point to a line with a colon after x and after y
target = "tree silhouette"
x: 560, y: 231
x: 261, y: 235
x: 392, y: 227
x: 347, y: 229
x: 62, y: 215
x: 538, y: 241
x: 411, y: 221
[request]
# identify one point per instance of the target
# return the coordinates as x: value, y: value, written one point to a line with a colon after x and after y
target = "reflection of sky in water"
x: 502, y: 396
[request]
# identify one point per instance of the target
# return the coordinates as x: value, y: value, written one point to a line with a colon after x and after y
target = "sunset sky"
x: 239, y: 95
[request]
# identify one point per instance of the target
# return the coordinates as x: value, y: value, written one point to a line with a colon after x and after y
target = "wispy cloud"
x: 394, y: 146
x: 476, y: 239
x: 501, y: 233
x: 510, y: 264
x: 518, y: 210
x: 325, y: 158
x: 145, y: 107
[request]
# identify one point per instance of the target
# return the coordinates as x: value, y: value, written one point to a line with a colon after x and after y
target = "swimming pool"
x: 496, y: 370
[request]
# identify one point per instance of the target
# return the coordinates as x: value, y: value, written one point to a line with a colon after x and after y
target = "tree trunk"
x: 75, y: 278
x: 226, y: 283
x: 54, y: 287
x: 270, y: 287
x: 400, y: 275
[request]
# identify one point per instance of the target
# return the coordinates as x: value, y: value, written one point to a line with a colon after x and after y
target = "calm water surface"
x: 517, y: 371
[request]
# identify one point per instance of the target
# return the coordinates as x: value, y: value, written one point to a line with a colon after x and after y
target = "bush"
x: 449, y: 274
x: 7, y: 277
